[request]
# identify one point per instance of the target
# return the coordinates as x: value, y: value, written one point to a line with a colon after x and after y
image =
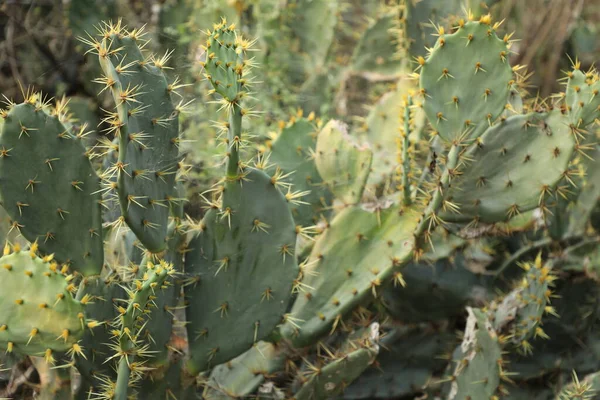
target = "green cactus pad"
x: 342, y: 163
x: 148, y: 130
x: 583, y: 98
x: 241, y: 376
x: 333, y: 378
x: 37, y: 311
x: 466, y: 80
x: 514, y: 167
x: 292, y: 151
x: 384, y: 124
x: 478, y: 359
x: 244, y: 263
x: 49, y: 188
x: 225, y: 61
x: 358, y: 252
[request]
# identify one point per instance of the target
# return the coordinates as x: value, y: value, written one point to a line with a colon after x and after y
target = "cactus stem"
x: 406, y: 199
x: 235, y: 131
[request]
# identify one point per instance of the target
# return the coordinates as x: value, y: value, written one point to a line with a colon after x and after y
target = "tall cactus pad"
x: 244, y: 263
x: 225, y: 61
x: 478, y: 368
x: 342, y: 163
x: 583, y: 97
x: 148, y: 129
x: 512, y: 169
x: 293, y: 153
x: 241, y: 376
x: 466, y: 80
x: 38, y: 314
x: 331, y: 380
x: 358, y: 253
x: 49, y: 188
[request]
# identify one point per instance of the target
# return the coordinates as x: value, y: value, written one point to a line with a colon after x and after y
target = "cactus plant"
x: 321, y: 260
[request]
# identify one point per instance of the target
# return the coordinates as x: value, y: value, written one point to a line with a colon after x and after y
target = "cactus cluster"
x: 330, y: 260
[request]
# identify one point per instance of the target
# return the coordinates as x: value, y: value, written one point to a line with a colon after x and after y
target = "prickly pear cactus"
x: 244, y: 265
x: 49, y: 188
x: 539, y: 144
x: 359, y: 252
x: 38, y: 314
x: 146, y: 122
x: 466, y: 79
x: 582, y: 97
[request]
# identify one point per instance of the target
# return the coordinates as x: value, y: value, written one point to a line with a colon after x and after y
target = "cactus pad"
x: 292, y: 151
x: 360, y: 251
x: 514, y: 167
x: 49, y: 188
x: 583, y: 97
x: 225, y: 61
x: 148, y: 128
x: 342, y: 163
x: 466, y: 80
x: 244, y: 264
x: 38, y: 312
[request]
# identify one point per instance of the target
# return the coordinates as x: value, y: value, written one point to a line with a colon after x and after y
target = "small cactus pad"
x: 466, y: 80
x: 331, y: 380
x: 38, y: 314
x: 360, y: 251
x: 519, y: 314
x: 148, y: 128
x: 293, y: 151
x: 244, y: 265
x: 514, y: 167
x: 342, y: 163
x: 583, y: 97
x: 241, y: 376
x: 49, y: 188
x: 478, y: 359
x: 225, y: 62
